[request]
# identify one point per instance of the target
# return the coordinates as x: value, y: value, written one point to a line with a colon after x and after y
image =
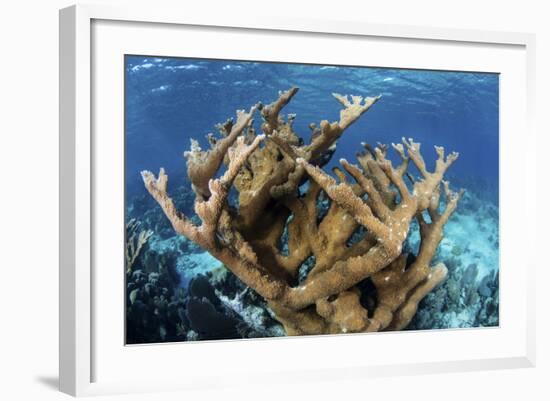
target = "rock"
x: 200, y: 287
x: 209, y: 323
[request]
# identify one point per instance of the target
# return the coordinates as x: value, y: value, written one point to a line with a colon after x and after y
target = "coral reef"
x: 155, y: 305
x: 461, y: 301
x: 342, y: 269
x: 160, y: 307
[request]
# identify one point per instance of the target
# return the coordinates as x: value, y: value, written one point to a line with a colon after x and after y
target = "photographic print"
x: 270, y: 199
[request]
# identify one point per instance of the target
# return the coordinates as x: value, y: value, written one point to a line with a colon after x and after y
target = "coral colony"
x: 308, y: 268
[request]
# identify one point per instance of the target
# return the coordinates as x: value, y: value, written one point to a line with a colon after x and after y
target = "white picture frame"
x: 82, y: 343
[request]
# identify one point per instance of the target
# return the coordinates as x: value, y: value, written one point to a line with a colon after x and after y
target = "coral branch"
x: 158, y: 187
x: 201, y: 165
x: 330, y: 132
x: 406, y: 312
x: 345, y: 197
x: 375, y: 199
x: 210, y: 211
x: 271, y: 112
x: 353, y: 110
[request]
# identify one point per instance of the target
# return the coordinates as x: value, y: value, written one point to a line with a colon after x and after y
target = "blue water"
x: 170, y: 100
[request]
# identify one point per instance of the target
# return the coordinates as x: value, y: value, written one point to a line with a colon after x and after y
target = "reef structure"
x: 319, y: 281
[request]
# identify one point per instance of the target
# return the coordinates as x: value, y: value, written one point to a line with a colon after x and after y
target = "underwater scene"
x: 267, y: 199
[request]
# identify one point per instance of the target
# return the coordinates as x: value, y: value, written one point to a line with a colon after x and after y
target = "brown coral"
x: 275, y: 201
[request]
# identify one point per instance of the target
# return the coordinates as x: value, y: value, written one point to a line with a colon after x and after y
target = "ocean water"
x: 168, y: 101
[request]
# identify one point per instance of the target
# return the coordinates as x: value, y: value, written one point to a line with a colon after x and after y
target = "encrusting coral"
x: 278, y: 186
